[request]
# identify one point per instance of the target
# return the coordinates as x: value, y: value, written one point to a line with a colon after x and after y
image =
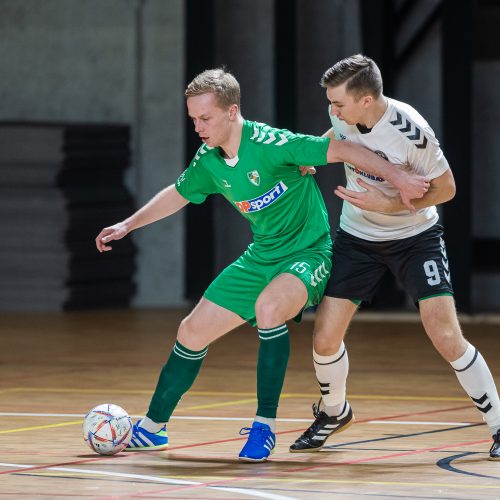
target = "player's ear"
x: 233, y: 111
x: 367, y: 101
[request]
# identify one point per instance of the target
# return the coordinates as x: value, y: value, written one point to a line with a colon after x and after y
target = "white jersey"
x: 403, y: 137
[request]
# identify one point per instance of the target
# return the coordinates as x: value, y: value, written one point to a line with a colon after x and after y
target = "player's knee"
x: 326, y: 342
x: 268, y: 313
x: 189, y: 336
x: 449, y: 342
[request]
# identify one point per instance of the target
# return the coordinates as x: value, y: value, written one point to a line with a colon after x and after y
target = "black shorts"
x: 419, y: 263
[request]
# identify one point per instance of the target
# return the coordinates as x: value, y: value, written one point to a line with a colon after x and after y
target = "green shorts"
x: 239, y: 285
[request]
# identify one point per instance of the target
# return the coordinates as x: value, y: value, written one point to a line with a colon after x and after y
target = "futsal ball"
x: 107, y: 429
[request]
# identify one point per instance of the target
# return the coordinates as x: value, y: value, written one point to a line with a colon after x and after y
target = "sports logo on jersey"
x: 263, y: 201
x: 358, y: 171
x: 254, y: 177
x: 226, y: 184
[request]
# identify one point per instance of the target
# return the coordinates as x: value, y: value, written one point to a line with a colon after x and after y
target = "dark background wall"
x: 126, y: 62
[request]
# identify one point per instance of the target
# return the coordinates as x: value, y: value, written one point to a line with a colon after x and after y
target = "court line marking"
x: 38, y: 427
x: 289, y: 395
x: 390, y: 455
x: 445, y: 463
x: 348, y: 462
x: 388, y: 417
x: 216, y: 418
x: 145, y: 477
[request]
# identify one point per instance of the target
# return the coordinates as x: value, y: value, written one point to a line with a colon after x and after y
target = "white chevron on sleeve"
x: 272, y: 138
x: 261, y: 137
x: 284, y: 140
x: 255, y: 133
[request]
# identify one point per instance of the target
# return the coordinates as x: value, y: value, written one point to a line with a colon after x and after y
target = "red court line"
x: 392, y: 455
x: 288, y: 471
x: 361, y: 421
x: 207, y: 443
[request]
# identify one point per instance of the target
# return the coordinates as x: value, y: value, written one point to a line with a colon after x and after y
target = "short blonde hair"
x: 219, y: 82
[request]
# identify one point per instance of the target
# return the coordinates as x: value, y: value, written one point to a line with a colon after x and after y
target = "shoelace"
x: 316, y: 425
x: 254, y: 434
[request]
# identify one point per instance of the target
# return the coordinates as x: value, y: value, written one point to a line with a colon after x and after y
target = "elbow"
x: 335, y: 151
x: 452, y: 191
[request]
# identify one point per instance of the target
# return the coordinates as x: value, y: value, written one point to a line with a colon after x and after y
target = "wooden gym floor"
x: 416, y: 435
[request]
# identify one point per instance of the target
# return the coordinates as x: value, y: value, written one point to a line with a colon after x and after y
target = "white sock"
x: 476, y: 379
x: 331, y: 372
x: 271, y: 422
x: 150, y: 425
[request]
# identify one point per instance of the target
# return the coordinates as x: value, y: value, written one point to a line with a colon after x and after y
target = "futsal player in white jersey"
x: 378, y: 233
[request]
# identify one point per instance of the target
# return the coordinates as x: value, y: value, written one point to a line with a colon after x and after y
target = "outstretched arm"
x: 165, y: 203
x: 410, y: 186
x: 374, y: 200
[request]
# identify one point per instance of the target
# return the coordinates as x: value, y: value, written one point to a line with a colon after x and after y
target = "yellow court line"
x: 37, y: 427
x: 218, y: 405
x: 65, y: 390
x: 216, y: 479
x: 287, y: 395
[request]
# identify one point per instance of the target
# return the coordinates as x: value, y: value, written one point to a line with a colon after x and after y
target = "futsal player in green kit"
x: 256, y: 168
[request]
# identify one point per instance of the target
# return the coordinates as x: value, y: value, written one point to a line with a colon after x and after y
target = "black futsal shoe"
x: 323, y: 427
x: 495, y: 447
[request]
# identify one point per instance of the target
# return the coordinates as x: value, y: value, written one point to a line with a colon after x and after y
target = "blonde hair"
x: 219, y: 82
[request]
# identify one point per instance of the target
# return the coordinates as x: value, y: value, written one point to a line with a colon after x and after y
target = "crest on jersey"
x: 254, y: 177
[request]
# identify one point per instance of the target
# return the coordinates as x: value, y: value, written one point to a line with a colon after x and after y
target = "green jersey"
x: 285, y: 209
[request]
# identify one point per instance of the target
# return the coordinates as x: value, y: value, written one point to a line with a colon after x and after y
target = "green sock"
x: 274, y: 351
x: 176, y: 377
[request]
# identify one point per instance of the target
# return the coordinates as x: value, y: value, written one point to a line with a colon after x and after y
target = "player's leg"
x: 333, y: 413
x: 441, y: 324
x: 355, y: 275
x: 206, y: 323
x: 283, y: 299
x: 423, y: 268
x: 295, y: 284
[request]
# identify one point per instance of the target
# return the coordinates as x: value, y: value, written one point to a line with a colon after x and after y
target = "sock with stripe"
x: 176, y: 377
x: 274, y: 352
x: 331, y: 372
x: 476, y: 379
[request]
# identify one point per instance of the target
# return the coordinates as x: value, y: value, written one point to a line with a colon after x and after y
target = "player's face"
x: 345, y: 106
x: 211, y: 122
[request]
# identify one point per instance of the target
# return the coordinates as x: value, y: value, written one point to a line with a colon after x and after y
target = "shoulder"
x: 410, y: 124
x: 204, y: 152
x: 262, y: 134
x: 269, y: 137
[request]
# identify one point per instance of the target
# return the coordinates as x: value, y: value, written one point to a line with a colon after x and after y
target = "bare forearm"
x: 165, y: 203
x: 363, y: 158
x: 435, y: 196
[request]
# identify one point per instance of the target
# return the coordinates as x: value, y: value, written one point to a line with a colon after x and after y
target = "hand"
x: 412, y: 186
x: 116, y: 232
x: 307, y: 170
x: 373, y: 199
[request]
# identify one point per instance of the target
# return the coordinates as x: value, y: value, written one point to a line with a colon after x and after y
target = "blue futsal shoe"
x: 260, y: 444
x: 142, y: 440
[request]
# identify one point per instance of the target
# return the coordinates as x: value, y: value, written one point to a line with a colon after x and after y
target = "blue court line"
x: 399, y: 436
x: 445, y: 463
